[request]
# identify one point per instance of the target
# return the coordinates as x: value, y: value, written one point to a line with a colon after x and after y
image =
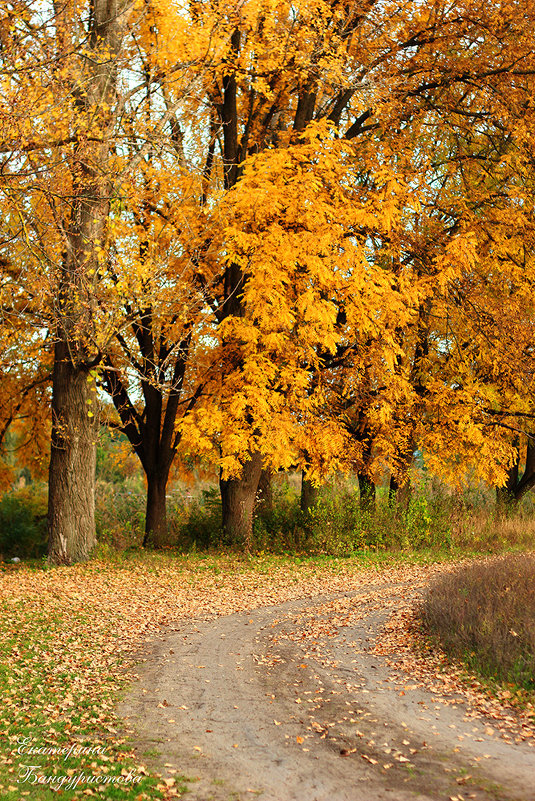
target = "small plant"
x: 23, y: 525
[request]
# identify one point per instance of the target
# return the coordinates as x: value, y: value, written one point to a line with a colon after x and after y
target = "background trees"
x: 274, y: 233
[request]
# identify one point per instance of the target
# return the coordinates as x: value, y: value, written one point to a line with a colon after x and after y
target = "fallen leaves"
x: 68, y: 635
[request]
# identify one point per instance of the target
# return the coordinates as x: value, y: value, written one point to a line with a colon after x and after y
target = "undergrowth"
x: 337, y: 524
x: 484, y: 615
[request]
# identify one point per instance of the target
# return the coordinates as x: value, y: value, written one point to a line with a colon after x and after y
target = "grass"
x: 68, y: 638
x: 436, y: 519
x: 56, y: 734
x: 484, y: 615
x: 67, y: 634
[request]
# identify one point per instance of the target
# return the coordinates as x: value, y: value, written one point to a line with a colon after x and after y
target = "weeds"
x: 435, y: 519
x: 484, y: 614
x: 120, y: 512
x: 23, y: 528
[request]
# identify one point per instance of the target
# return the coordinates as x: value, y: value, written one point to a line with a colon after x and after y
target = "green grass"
x: 46, y: 723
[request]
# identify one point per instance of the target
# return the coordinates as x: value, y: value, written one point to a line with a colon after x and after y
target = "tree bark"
x: 71, y: 487
x: 515, y: 487
x: 265, y: 491
x: 156, y: 511
x: 367, y: 492
x: 399, y: 491
x: 238, y: 497
x: 71, y: 517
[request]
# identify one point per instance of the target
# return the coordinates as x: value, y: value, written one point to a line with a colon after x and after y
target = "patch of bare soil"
x: 320, y: 700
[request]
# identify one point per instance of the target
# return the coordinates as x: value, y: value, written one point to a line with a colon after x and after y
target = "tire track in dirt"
x: 294, y: 703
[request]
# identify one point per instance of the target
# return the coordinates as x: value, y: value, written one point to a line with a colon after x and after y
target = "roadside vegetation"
x: 484, y: 615
x: 434, y: 518
x: 68, y: 634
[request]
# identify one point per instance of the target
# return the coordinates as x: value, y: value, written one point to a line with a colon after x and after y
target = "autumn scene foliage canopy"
x: 266, y: 235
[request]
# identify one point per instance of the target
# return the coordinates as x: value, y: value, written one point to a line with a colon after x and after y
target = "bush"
x: 280, y: 527
x: 23, y: 523
x: 484, y: 614
x: 120, y: 513
x: 338, y: 525
x: 195, y: 523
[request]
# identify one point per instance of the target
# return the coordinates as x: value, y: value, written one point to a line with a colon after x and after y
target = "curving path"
x: 296, y: 703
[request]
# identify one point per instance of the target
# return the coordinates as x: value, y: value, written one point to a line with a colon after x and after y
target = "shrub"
x: 195, y: 522
x: 120, y: 512
x: 484, y: 614
x: 23, y: 524
x: 279, y: 528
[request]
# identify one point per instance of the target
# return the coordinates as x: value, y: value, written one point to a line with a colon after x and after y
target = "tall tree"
x: 75, y: 133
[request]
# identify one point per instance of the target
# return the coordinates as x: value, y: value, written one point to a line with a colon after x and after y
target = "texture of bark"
x: 71, y: 506
x: 520, y: 479
x: 265, y: 491
x: 238, y: 497
x: 156, y: 512
x: 71, y: 519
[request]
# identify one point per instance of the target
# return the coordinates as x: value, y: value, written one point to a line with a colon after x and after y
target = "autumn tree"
x: 464, y: 355
x: 153, y: 369
x: 73, y: 78
x: 364, y: 69
x: 256, y: 224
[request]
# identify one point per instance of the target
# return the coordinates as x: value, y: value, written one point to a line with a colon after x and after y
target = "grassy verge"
x: 62, y: 669
x: 484, y: 615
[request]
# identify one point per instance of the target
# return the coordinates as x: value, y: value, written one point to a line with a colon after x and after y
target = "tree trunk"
x: 527, y: 482
x: 399, y: 494
x: 238, y: 497
x: 265, y: 491
x: 71, y: 516
x: 156, y: 512
x: 393, y: 489
x: 71, y: 504
x: 367, y: 492
x: 309, y: 494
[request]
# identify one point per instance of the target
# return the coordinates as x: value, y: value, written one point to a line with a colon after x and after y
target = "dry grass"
x: 485, y: 529
x: 484, y: 613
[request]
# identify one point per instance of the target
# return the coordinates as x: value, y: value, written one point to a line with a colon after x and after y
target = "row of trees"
x: 271, y: 234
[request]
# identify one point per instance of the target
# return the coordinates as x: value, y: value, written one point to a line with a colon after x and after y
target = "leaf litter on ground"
x: 69, y: 635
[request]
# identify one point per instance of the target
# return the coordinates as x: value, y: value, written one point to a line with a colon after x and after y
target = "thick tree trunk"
x: 71, y: 519
x: 367, y: 492
x: 399, y: 493
x: 509, y: 495
x: 156, y: 512
x: 309, y: 494
x: 238, y: 497
x: 71, y: 505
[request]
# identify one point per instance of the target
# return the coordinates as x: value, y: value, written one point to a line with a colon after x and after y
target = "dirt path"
x: 297, y: 703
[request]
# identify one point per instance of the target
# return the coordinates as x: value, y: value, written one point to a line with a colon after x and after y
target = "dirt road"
x: 304, y: 702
